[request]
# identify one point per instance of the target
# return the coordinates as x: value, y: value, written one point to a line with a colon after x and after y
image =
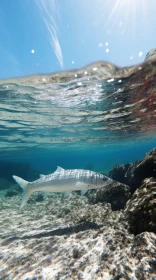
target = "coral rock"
x: 141, y: 208
x: 133, y: 174
x: 116, y: 194
x: 118, y: 173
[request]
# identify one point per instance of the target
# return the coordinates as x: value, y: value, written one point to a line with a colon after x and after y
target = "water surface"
x: 93, y: 111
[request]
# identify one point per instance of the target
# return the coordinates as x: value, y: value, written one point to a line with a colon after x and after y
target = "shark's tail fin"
x: 26, y: 191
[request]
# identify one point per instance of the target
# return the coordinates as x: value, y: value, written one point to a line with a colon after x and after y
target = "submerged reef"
x: 108, y: 234
x: 116, y: 194
x: 134, y: 174
x: 141, y: 208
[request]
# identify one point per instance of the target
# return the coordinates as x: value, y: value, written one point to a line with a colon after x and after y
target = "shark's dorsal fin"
x: 41, y: 175
x: 59, y: 169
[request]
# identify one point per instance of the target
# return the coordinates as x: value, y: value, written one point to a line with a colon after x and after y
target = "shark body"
x: 63, y: 180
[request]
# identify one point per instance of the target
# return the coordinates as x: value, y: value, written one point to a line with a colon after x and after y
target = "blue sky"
x: 45, y: 36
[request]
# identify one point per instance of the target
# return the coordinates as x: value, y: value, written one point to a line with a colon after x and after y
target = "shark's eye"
x: 104, y: 179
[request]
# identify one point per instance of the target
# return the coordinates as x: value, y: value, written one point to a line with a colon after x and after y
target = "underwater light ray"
x: 126, y: 17
x: 48, y: 11
x: 144, y: 15
x: 126, y: 9
x: 113, y: 11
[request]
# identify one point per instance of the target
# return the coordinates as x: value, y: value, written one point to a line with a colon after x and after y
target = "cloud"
x: 49, y: 13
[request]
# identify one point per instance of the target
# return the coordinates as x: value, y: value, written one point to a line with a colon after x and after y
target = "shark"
x: 63, y: 180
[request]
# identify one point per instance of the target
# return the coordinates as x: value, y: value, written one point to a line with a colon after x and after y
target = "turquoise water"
x: 100, y: 159
x: 90, y: 118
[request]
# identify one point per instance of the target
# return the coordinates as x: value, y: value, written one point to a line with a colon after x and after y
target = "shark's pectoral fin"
x: 81, y: 185
x: 66, y: 194
x: 83, y: 192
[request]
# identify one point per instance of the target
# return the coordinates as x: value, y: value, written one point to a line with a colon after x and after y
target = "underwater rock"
x: 141, y: 208
x: 38, y: 197
x: 13, y: 190
x: 115, y: 193
x: 133, y: 174
x: 141, y: 170
x: 118, y: 173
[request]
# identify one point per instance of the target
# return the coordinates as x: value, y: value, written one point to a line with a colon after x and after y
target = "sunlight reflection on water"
x: 99, y: 104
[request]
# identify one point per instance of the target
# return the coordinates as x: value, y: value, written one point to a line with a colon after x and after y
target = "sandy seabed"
x: 70, y: 239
